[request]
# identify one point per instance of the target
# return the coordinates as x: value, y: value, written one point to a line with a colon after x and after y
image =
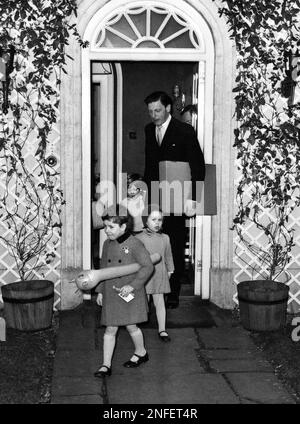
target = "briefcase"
x: 175, y: 188
x: 207, y: 203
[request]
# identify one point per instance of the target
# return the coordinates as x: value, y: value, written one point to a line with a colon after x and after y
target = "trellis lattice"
x: 244, y: 261
x: 147, y: 26
x: 51, y: 271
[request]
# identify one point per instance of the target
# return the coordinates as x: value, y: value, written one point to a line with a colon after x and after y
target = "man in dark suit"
x: 171, y: 141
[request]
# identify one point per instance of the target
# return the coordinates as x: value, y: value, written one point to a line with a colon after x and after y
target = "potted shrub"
x: 31, y: 200
x: 268, y: 151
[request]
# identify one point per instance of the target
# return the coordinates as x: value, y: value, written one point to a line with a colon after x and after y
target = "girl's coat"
x: 158, y: 243
x: 123, y: 251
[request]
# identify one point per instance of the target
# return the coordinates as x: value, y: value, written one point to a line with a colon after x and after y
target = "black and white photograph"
x: 149, y: 206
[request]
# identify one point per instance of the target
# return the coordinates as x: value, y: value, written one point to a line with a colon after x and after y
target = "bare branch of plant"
x: 31, y: 200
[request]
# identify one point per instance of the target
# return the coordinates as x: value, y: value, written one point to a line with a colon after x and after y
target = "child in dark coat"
x: 121, y: 248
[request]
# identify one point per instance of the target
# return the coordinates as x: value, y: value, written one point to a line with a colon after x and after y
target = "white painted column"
x: 205, y: 125
x: 206, y: 257
x: 199, y: 100
x: 86, y: 160
x: 86, y: 165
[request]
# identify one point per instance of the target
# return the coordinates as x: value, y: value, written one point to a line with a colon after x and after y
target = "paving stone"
x: 227, y: 353
x: 240, y: 365
x: 78, y: 400
x: 71, y: 319
x: 259, y: 387
x: 179, y: 337
x: 83, y: 316
x: 230, y: 338
x: 76, y: 363
x: 167, y: 360
x: 173, y: 374
x: 188, y: 388
x: 192, y: 312
x: 77, y: 339
x: 75, y: 386
x: 164, y: 357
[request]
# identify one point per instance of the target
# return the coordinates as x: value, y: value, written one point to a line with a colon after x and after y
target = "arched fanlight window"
x: 147, y: 27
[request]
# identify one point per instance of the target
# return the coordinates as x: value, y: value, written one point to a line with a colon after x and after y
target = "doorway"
x: 118, y: 119
x: 134, y: 31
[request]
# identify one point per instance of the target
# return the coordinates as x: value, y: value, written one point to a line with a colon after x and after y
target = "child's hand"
x: 99, y: 299
x: 169, y: 274
x: 125, y: 290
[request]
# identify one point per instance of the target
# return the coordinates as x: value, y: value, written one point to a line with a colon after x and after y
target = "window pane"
x: 123, y: 26
x: 156, y: 21
x: 171, y: 27
x: 180, y: 42
x: 148, y: 44
x: 100, y: 68
x: 140, y: 22
x: 112, y: 40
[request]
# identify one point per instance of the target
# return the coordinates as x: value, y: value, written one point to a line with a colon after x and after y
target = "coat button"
x: 109, y: 260
x: 120, y: 261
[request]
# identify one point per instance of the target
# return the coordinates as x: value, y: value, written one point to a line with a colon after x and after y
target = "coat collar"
x: 151, y: 233
x: 123, y: 238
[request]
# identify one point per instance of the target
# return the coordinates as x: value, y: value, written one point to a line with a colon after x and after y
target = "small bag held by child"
x: 127, y: 298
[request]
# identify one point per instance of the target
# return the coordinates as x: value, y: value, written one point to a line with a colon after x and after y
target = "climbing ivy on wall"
x: 30, y: 196
x: 267, y: 141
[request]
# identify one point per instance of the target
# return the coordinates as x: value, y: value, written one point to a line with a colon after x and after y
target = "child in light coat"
x: 135, y: 200
x: 157, y: 242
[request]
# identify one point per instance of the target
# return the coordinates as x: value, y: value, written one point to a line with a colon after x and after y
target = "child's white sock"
x: 160, y: 310
x: 138, y: 341
x: 109, y: 341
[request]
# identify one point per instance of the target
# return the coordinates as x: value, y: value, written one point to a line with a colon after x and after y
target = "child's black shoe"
x: 101, y: 373
x: 134, y: 364
x: 164, y: 337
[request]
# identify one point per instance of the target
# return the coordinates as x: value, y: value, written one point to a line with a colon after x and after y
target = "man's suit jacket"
x: 179, y: 144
